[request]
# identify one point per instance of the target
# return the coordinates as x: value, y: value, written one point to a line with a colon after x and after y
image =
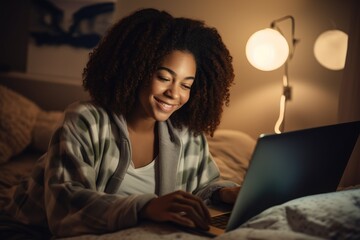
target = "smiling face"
x: 169, y: 88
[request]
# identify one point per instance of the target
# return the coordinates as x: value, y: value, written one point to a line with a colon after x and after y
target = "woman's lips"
x: 166, y: 107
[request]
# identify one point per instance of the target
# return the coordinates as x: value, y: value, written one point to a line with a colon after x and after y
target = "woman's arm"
x: 204, y: 180
x: 81, y: 159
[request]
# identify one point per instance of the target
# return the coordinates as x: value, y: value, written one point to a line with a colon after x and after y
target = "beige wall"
x: 254, y: 105
x: 255, y: 97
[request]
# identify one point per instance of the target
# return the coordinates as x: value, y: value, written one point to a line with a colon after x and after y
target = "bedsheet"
x: 12, y: 172
x: 333, y: 215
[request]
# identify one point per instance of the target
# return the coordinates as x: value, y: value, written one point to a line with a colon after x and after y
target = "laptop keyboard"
x: 220, y: 221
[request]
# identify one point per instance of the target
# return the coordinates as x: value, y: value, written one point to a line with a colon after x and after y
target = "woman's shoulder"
x: 86, y: 110
x: 83, y: 106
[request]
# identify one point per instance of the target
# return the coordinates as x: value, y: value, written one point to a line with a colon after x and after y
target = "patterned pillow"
x: 17, y: 119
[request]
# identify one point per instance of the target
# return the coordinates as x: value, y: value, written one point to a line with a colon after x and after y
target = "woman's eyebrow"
x: 174, y: 73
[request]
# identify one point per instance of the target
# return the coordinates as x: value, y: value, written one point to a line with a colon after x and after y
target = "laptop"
x: 291, y: 165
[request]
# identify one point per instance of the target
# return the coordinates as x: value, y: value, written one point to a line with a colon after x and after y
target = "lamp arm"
x: 294, y: 40
x: 273, y: 23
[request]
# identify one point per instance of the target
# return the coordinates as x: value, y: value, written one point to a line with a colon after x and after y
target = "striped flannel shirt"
x: 73, y: 187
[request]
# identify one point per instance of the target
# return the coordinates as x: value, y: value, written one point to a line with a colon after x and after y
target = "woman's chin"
x: 161, y: 117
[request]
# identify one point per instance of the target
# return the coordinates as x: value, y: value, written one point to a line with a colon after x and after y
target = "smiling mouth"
x: 165, y: 106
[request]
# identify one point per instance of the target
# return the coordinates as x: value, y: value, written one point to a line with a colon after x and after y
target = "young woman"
x: 137, y: 150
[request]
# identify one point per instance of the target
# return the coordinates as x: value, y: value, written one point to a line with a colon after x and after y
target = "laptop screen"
x: 294, y: 164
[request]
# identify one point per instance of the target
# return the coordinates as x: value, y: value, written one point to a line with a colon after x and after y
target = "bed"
x: 26, y: 128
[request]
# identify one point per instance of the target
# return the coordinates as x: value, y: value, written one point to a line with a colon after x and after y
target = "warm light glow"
x: 330, y: 49
x: 267, y: 49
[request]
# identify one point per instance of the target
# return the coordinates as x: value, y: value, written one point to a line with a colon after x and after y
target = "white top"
x: 139, y: 180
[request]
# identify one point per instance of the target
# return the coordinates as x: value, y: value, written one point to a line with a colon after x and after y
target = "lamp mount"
x: 294, y: 41
x: 287, y: 90
x: 267, y: 50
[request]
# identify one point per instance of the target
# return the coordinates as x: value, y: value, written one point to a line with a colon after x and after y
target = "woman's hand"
x: 179, y: 207
x: 229, y: 194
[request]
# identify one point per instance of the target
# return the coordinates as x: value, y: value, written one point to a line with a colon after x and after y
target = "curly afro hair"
x: 131, y: 52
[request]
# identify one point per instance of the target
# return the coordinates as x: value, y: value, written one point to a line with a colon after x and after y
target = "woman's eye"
x: 186, y: 86
x: 162, y: 78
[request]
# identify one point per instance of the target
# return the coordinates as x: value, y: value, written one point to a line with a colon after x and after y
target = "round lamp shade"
x: 267, y: 49
x: 330, y: 49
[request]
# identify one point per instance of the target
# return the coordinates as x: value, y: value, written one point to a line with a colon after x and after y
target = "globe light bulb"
x: 267, y: 49
x: 330, y: 49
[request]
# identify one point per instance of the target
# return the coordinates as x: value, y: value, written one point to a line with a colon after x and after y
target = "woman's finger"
x: 179, y: 207
x: 187, y: 211
x: 198, y: 205
x: 180, y: 218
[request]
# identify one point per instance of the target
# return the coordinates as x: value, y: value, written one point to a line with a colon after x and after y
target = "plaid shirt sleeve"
x: 82, y: 157
x: 197, y: 171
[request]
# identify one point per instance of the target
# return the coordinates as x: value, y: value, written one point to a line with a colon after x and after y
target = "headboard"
x: 49, y: 95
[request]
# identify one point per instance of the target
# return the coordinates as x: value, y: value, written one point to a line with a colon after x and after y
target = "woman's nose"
x: 173, y: 91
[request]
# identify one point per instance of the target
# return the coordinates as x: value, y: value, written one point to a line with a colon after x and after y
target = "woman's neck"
x: 140, y: 125
x: 144, y: 140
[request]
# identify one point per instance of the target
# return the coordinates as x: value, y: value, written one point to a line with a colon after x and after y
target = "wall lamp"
x: 267, y: 50
x: 330, y: 49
